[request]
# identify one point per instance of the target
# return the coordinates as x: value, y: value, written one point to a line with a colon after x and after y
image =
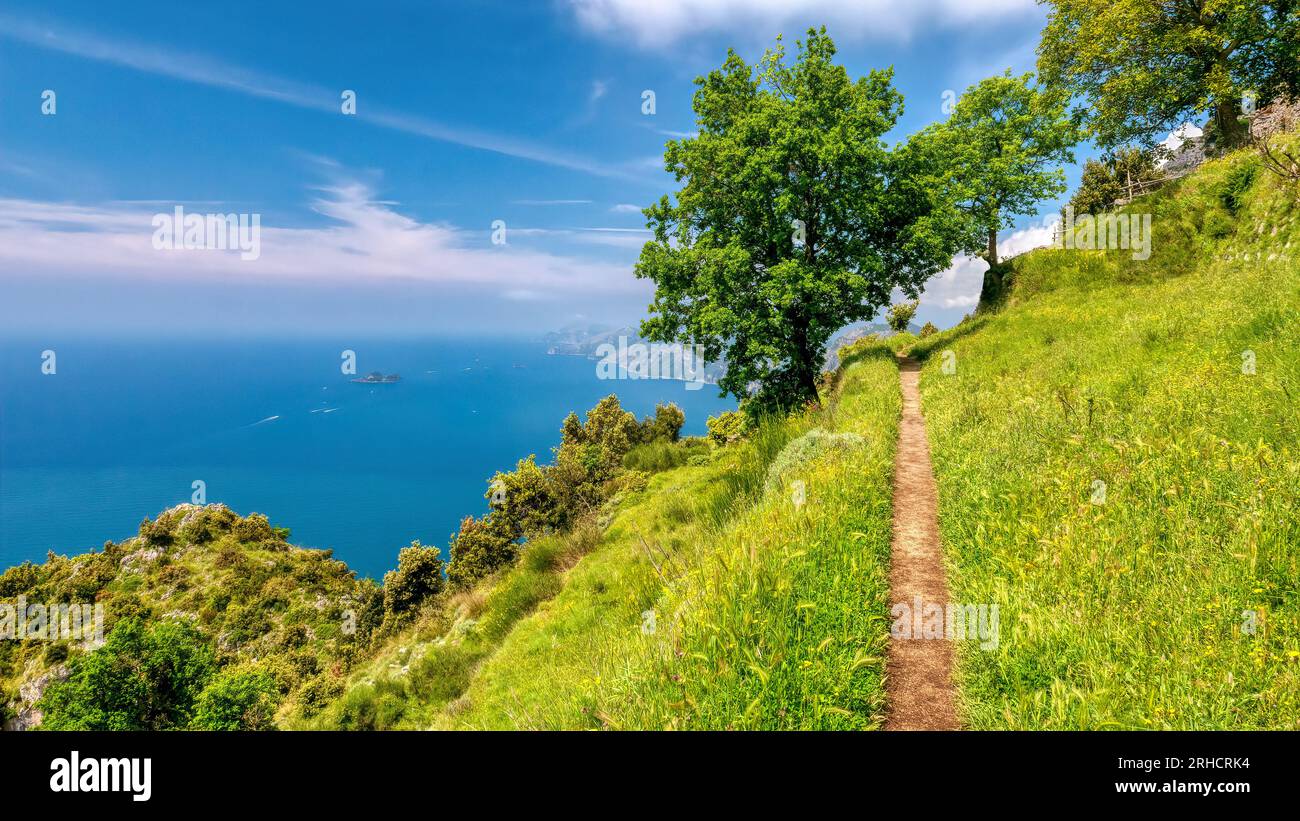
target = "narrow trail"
x: 918, y: 674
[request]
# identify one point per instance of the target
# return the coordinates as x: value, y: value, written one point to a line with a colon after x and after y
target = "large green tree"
x: 793, y: 219
x: 997, y: 156
x: 1144, y: 67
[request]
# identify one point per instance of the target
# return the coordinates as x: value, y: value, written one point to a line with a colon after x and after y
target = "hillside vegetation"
x: 1116, y: 455
x: 211, y: 621
x: 715, y: 597
x: 1115, y: 450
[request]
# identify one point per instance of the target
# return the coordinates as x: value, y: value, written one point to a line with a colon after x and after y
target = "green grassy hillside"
x: 708, y: 599
x: 1116, y: 456
x: 1169, y: 596
x: 717, y: 601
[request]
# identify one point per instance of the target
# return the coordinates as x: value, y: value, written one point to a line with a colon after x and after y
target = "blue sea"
x: 124, y: 428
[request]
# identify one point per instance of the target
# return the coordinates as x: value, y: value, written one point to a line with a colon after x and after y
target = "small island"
x: 377, y: 378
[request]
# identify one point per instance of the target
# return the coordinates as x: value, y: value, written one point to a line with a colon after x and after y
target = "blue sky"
x: 467, y: 113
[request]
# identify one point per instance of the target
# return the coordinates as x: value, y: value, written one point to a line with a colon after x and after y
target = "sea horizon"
x: 125, y: 426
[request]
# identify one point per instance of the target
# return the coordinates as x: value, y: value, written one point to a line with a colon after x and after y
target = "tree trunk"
x: 992, y: 288
x: 808, y: 382
x: 807, y: 368
x: 1227, y: 121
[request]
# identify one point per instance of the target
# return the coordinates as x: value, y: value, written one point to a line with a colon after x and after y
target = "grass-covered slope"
x: 717, y: 602
x: 1118, y: 469
x: 705, y: 599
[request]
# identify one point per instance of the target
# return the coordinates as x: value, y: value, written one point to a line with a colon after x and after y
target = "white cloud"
x: 626, y: 208
x: 663, y: 22
x: 365, y: 240
x: 1180, y: 135
x: 959, y: 286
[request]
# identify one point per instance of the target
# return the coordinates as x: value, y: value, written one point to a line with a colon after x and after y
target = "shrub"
x: 155, y: 534
x: 726, y: 427
x: 19, y: 579
x: 377, y: 706
x: 418, y: 577
x: 900, y: 315
x: 1238, y: 182
x: 202, y: 525
x: 238, y: 698
x: 523, y: 500
x: 1106, y: 180
x: 601, y: 442
x: 928, y: 329
x: 255, y: 529
x: 666, y: 424
x: 477, y: 550
x: 317, y: 692
x: 803, y: 450
x: 629, y: 481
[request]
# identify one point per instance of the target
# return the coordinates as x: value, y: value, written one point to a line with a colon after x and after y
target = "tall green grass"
x: 712, y: 603
x: 1169, y: 596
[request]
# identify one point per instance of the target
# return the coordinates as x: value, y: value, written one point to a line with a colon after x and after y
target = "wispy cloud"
x: 626, y: 208
x: 365, y: 239
x: 203, y: 70
x: 664, y: 22
x: 633, y: 238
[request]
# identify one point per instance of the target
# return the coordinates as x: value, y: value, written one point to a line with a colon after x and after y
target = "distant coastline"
x: 579, y: 339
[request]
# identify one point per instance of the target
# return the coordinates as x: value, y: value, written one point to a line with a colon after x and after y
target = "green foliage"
x: 711, y: 605
x: 727, y: 427
x: 793, y: 220
x: 525, y: 502
x: 1106, y: 180
x: 141, y: 679
x: 928, y: 329
x: 1143, y: 68
x: 517, y: 596
x: 372, y: 706
x: 600, y: 442
x: 654, y: 457
x: 666, y: 423
x: 900, y: 315
x: 418, y: 577
x: 997, y: 156
x: 1123, y: 603
x: 19, y: 579
x: 801, y: 451
x: 256, y: 529
x: 661, y: 455
x: 238, y: 698
x: 443, y: 672
x: 478, y: 549
x: 239, y: 590
x: 1237, y: 184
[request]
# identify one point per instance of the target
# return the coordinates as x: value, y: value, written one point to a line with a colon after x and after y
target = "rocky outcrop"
x: 29, y: 692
